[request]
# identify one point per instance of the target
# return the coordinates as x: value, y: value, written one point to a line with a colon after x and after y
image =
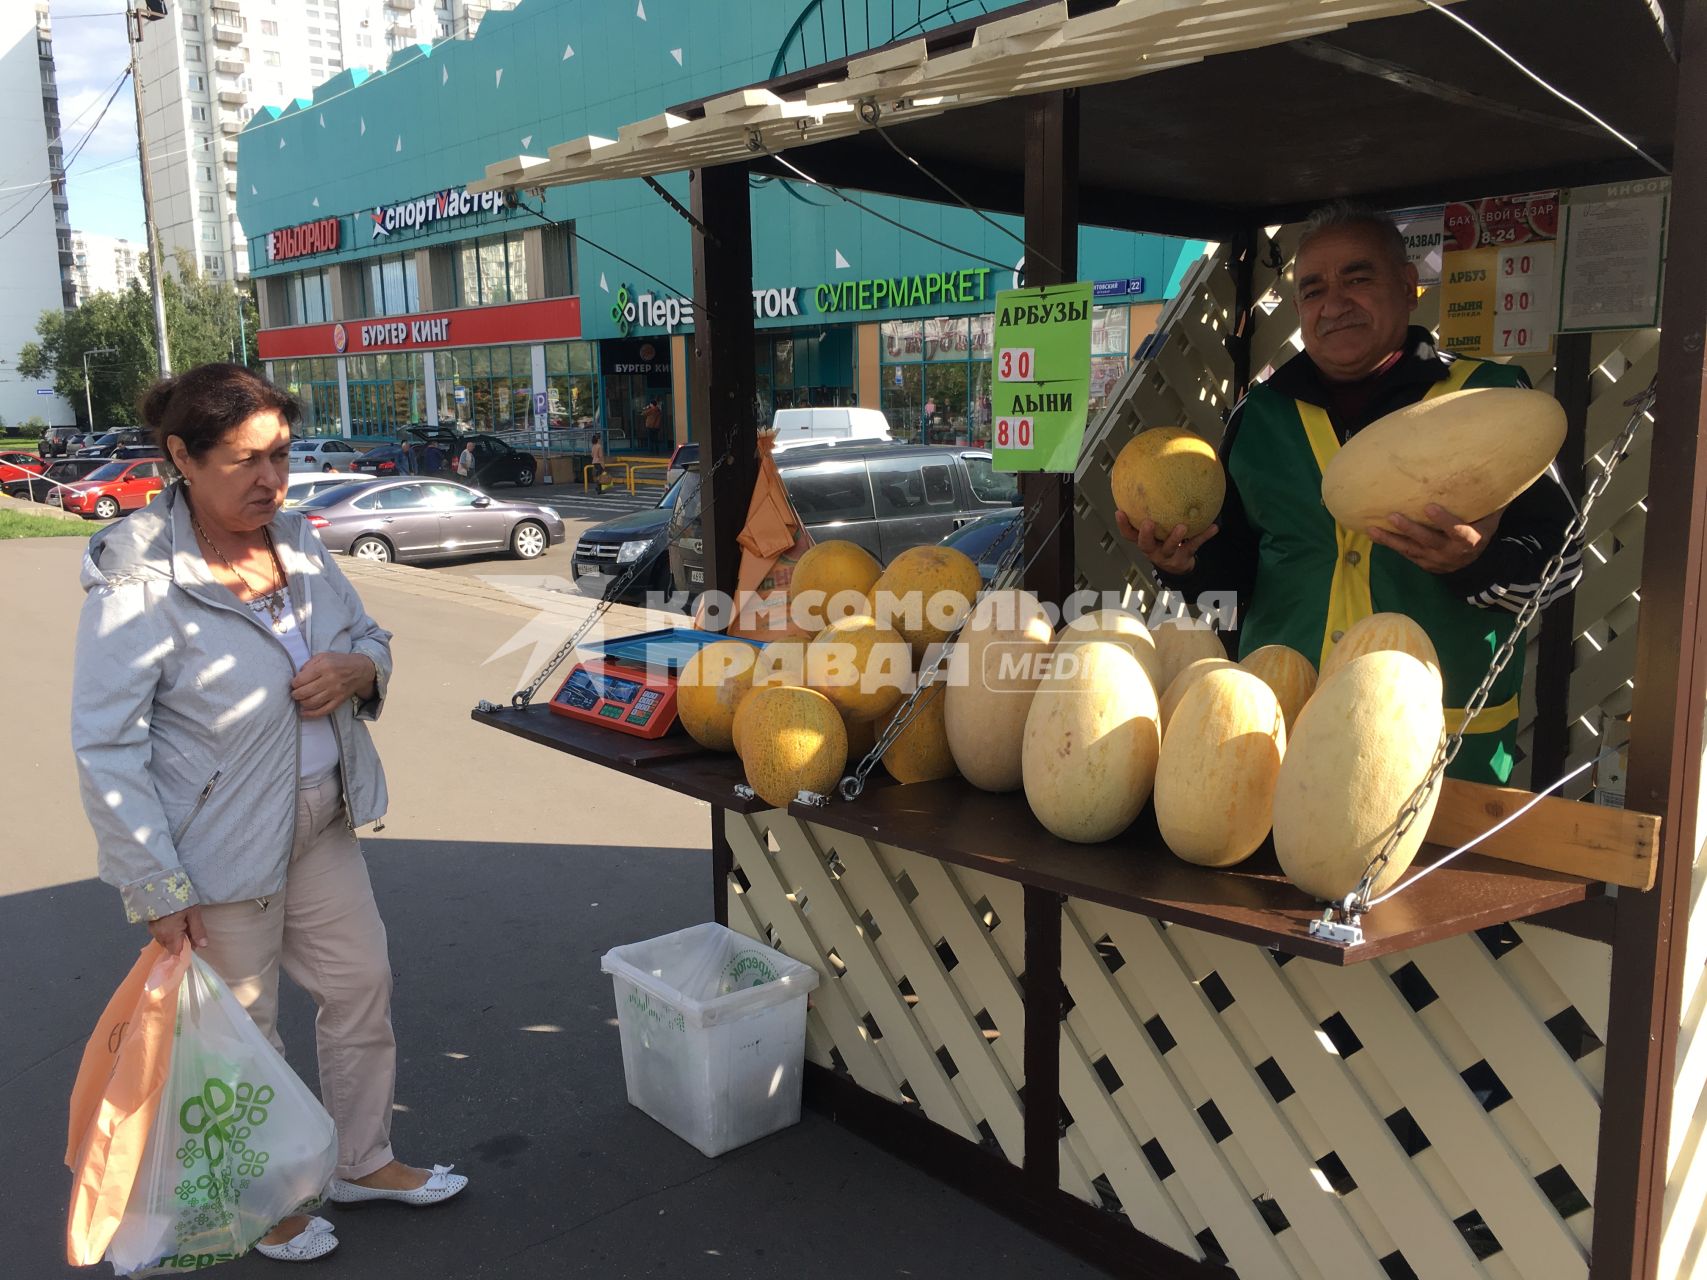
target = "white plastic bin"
x: 713, y: 1033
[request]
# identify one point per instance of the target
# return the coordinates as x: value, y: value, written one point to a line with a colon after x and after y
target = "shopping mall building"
x: 389, y: 295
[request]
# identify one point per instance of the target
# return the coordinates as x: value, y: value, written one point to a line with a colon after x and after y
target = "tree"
x: 201, y: 326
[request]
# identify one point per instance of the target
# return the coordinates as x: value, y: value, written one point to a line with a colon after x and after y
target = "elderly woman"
x: 225, y: 671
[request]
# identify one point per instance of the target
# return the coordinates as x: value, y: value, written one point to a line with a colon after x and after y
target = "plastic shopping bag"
x: 115, y: 1099
x: 238, y: 1143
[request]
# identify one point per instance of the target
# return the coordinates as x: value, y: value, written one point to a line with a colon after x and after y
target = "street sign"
x: 539, y: 404
x: 44, y: 391
x: 1042, y: 377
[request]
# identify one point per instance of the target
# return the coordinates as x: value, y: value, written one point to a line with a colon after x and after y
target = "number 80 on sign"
x: 1013, y: 433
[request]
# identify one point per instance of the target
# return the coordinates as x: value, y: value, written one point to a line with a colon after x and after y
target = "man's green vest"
x: 1315, y: 577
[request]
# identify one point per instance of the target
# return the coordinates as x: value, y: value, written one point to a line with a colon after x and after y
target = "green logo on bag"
x: 748, y: 969
x: 218, y: 1123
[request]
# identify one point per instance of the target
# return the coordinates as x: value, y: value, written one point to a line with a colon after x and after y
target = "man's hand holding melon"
x: 1167, y: 486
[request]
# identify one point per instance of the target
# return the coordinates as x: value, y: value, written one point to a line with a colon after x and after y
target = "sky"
x: 104, y: 185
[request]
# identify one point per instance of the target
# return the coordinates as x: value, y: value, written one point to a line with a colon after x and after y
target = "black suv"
x: 105, y: 446
x: 56, y: 441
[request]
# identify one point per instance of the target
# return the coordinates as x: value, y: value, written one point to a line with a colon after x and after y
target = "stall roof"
x: 1268, y: 107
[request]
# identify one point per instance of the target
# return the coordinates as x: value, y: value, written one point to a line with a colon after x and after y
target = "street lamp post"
x: 89, y: 400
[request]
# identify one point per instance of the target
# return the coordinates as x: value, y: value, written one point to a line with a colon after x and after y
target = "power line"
x: 69, y: 160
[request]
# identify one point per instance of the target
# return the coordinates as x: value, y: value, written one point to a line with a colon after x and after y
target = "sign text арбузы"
x: 1041, y: 379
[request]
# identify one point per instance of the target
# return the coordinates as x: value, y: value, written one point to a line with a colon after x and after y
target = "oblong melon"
x: 1091, y: 742
x: 1381, y: 631
x: 1179, y: 644
x: 1363, y: 744
x: 992, y: 673
x: 1182, y: 683
x: 1220, y: 761
x: 1170, y: 475
x: 1123, y: 628
x: 832, y: 580
x: 1287, y: 672
x: 1470, y: 452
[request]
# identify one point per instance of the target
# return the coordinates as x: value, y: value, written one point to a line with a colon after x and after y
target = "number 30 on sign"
x: 1016, y: 364
x: 1013, y: 433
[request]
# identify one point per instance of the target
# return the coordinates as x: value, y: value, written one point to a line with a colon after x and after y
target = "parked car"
x: 309, y: 484
x: 102, y: 446
x: 126, y: 451
x: 16, y: 465
x: 330, y: 454
x: 685, y: 456
x: 495, y: 461
x: 115, y: 488
x: 44, y: 487
x: 423, y: 519
x: 886, y: 497
x: 796, y: 427
x: 608, y: 549
x: 57, y: 442
x: 986, y: 540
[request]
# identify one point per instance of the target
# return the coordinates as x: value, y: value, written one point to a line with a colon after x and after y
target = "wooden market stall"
x: 1157, y: 1064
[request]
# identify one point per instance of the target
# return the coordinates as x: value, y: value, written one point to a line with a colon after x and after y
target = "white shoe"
x: 440, y: 1187
x: 313, y: 1241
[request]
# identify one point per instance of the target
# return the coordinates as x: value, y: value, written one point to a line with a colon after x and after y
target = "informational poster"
x: 1614, y: 240
x: 1425, y: 235
x: 1041, y: 377
x: 1499, y: 275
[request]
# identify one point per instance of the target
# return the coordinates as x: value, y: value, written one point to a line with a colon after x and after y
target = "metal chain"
x: 1009, y: 572
x: 1357, y: 902
x: 614, y: 590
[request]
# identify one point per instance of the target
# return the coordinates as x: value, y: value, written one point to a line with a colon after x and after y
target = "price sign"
x: 1041, y: 367
x: 1523, y: 300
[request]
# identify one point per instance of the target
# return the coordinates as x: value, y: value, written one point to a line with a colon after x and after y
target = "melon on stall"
x: 781, y: 662
x: 861, y: 666
x: 991, y: 676
x: 1179, y: 644
x: 1363, y: 745
x: 710, y: 689
x: 833, y: 580
x: 1287, y: 672
x: 1091, y: 742
x: 1182, y: 683
x: 1170, y: 475
x: 794, y: 742
x: 1470, y: 452
x: 1123, y: 628
x: 1220, y: 761
x: 920, y: 753
x: 1382, y: 631
x: 925, y: 593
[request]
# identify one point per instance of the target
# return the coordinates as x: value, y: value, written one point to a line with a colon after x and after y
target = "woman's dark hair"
x: 200, y: 406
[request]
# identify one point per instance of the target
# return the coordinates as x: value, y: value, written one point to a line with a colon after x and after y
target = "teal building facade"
x: 391, y: 296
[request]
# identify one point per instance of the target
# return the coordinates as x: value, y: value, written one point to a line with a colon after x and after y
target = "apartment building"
x: 209, y: 65
x: 106, y: 264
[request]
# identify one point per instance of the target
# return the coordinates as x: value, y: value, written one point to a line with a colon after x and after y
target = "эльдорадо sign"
x: 1042, y: 377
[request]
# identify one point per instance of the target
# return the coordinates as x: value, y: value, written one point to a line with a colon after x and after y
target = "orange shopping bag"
x: 117, y: 1093
x: 772, y: 542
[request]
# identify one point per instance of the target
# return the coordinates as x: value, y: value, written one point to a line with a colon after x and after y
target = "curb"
x: 24, y: 507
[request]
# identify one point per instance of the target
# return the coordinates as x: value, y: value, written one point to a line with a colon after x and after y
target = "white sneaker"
x: 440, y: 1187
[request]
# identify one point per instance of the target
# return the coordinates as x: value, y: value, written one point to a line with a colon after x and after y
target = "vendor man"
x: 1299, y: 578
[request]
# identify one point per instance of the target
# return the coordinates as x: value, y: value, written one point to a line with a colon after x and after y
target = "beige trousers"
x: 324, y: 928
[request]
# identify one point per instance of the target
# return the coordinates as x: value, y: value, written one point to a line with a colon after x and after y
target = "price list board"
x: 1041, y: 377
x: 1499, y: 275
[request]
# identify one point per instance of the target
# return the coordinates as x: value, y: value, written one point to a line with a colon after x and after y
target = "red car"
x: 17, y: 466
x: 115, y: 488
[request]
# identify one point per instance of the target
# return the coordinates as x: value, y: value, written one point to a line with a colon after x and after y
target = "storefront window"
x: 801, y: 369
x: 494, y: 286
x: 945, y: 338
x: 515, y: 249
x: 468, y: 277
x: 491, y: 388
x: 314, y: 382
x: 571, y: 390
x: 393, y: 286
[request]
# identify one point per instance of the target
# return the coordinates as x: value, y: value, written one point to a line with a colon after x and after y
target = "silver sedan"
x: 411, y: 519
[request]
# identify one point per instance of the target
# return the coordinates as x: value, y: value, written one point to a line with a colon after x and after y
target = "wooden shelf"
x: 1254, y: 902
x: 674, y: 761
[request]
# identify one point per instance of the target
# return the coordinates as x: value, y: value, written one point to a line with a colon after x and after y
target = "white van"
x: 829, y: 426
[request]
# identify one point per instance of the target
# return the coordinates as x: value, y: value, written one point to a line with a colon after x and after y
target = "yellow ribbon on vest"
x: 1349, y: 598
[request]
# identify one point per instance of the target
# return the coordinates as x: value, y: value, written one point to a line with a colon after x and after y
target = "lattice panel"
x: 919, y: 1000
x: 1186, y: 380
x: 1435, y: 1114
x: 1683, y: 1239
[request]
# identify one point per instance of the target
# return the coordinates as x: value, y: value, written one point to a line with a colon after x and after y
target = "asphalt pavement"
x: 504, y: 872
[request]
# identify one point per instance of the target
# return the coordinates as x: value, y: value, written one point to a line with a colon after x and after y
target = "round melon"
x: 1123, y: 628
x: 1182, y: 683
x: 1287, y: 672
x: 862, y: 737
x: 861, y: 666
x: 781, y: 662
x: 710, y: 690
x: 1470, y: 452
x: 831, y: 581
x: 1363, y: 745
x: 1382, y: 631
x: 1179, y: 644
x: 794, y: 742
x: 921, y: 753
x: 1091, y: 742
x: 992, y: 674
x: 1169, y: 475
x: 925, y: 593
x: 1220, y: 761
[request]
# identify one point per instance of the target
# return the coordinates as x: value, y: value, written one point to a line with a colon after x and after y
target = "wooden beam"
x: 723, y: 365
x: 1593, y: 841
x: 1666, y: 731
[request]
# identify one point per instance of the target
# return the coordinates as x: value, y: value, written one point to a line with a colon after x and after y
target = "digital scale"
x: 629, y: 684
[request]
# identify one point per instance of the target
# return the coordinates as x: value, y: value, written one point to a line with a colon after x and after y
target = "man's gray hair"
x: 1340, y: 215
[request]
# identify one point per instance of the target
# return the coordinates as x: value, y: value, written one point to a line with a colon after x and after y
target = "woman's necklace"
x: 273, y: 601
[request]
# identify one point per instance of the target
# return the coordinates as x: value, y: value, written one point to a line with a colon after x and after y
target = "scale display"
x: 629, y: 684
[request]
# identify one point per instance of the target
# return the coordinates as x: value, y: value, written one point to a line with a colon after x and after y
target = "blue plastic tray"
x: 667, y: 651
